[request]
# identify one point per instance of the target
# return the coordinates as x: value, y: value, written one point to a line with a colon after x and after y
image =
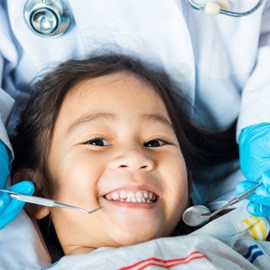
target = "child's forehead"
x: 121, y: 78
x: 117, y: 94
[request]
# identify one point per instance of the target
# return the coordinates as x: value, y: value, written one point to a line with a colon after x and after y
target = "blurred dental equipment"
x: 198, y: 215
x: 45, y: 202
x: 222, y: 7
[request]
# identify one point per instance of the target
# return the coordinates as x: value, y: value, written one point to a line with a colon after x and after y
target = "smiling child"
x: 107, y: 131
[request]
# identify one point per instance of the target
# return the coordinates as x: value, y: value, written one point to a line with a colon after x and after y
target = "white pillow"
x: 22, y: 246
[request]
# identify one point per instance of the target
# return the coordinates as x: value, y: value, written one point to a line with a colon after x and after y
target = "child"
x: 106, y: 132
x: 110, y: 132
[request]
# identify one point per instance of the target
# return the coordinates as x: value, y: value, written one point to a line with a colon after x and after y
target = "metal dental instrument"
x: 45, y: 202
x: 193, y: 4
x: 198, y: 215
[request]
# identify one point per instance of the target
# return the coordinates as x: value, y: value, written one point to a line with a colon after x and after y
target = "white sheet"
x: 21, y: 246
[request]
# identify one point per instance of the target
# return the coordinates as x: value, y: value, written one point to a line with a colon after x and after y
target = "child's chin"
x: 138, y: 236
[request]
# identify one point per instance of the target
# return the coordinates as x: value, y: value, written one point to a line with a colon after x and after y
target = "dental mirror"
x: 193, y: 216
x: 198, y: 215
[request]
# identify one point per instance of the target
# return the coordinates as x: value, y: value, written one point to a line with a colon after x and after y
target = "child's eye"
x: 98, y: 142
x: 155, y: 143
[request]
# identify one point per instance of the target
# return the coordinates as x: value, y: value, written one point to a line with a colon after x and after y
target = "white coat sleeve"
x: 255, y: 101
x: 8, y: 58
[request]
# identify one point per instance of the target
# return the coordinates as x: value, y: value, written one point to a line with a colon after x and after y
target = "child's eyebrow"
x: 88, y: 118
x: 158, y: 118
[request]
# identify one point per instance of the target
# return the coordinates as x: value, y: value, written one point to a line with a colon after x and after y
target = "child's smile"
x: 140, y: 196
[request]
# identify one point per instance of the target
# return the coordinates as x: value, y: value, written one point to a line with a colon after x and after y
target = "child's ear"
x: 33, y: 210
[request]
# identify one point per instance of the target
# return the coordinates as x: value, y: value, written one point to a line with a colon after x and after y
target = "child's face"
x: 114, y: 146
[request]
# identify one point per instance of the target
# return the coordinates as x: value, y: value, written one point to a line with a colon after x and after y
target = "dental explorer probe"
x: 45, y: 202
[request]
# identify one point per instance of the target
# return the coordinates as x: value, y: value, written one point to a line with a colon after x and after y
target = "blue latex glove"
x: 254, y: 146
x: 10, y: 208
x: 4, y: 164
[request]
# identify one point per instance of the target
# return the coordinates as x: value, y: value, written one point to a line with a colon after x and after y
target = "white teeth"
x: 115, y: 196
x: 109, y: 197
x: 145, y: 194
x: 122, y: 194
x: 130, y: 194
x: 133, y: 197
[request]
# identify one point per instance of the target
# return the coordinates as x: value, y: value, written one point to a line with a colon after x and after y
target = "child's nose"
x: 132, y: 160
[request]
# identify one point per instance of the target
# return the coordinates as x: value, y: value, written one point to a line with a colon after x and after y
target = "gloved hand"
x: 254, y: 146
x: 4, y: 164
x: 10, y: 208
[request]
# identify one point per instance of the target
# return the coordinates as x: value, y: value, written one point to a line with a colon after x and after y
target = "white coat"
x: 222, y: 63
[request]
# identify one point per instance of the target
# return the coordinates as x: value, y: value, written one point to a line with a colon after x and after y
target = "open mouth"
x: 140, y: 196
